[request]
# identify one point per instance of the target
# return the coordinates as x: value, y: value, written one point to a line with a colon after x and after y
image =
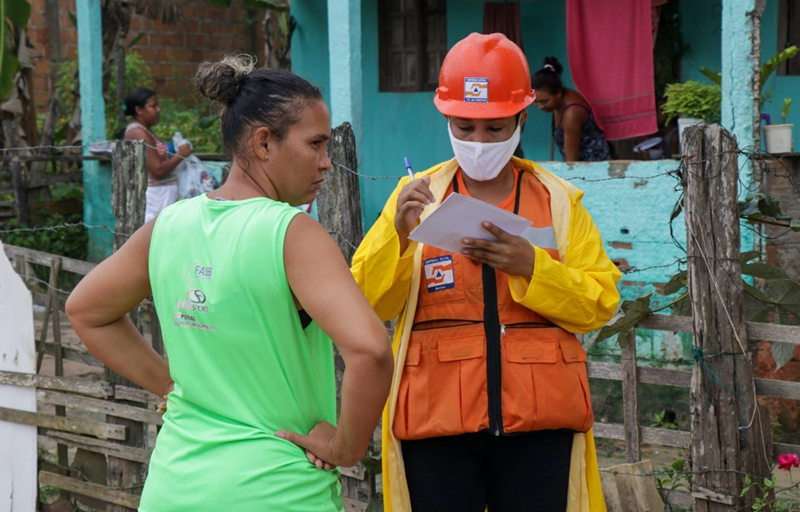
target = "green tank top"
x: 242, y: 363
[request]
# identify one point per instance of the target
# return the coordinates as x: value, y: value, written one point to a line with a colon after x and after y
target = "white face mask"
x: 483, y: 161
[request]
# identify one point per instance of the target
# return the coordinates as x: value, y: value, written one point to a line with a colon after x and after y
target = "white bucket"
x: 683, y: 123
x: 778, y: 138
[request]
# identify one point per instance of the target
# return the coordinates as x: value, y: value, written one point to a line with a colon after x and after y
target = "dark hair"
x: 137, y: 98
x: 549, y: 77
x: 270, y: 97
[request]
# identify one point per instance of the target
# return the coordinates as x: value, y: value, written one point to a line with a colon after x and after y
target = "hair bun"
x: 220, y: 81
x: 552, y: 64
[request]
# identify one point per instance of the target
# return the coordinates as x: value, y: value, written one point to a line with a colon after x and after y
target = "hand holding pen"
x: 413, y: 198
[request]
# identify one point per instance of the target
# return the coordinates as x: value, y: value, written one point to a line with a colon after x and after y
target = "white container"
x: 778, y: 138
x: 683, y: 123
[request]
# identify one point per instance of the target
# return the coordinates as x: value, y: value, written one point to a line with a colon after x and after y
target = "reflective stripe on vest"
x: 479, y: 361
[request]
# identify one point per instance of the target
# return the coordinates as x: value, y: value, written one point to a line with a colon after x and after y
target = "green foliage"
x: 633, y: 312
x: 765, y: 499
x: 660, y: 421
x: 677, y: 476
x: 787, y: 105
x: 774, y: 62
x: 714, y: 76
x: 199, y: 125
x: 16, y: 13
x: 68, y: 241
x: 692, y: 99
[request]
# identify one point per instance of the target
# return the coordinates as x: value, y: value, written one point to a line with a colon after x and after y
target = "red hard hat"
x: 484, y: 77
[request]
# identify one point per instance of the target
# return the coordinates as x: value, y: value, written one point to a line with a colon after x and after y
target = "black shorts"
x: 470, y: 472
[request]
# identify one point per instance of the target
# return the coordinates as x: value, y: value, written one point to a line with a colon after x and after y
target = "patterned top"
x: 594, y: 147
x: 170, y: 178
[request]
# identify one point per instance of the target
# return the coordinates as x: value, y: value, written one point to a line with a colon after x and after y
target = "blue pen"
x: 408, y: 168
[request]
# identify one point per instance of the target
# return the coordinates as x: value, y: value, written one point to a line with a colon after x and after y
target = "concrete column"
x: 741, y: 58
x: 740, y: 68
x: 344, y: 44
x: 96, y: 177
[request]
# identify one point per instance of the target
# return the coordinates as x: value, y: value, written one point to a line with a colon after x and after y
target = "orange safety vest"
x: 479, y: 361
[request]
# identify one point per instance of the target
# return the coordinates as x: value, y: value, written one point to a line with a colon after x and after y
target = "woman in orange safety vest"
x: 490, y: 402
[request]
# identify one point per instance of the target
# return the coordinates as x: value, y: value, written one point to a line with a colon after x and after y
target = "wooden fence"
x: 18, y: 180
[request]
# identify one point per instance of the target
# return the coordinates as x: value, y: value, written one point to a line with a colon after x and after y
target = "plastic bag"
x: 193, y: 178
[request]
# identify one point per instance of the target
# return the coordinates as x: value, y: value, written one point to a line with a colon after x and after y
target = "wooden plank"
x: 667, y: 323
x: 778, y: 388
x: 54, y: 158
x: 709, y: 495
x: 631, y: 488
x: 105, y: 447
x: 351, y: 505
x: 74, y: 425
x: 683, y: 378
x: 677, y: 498
x: 43, y: 258
x: 358, y: 471
x: 73, y: 354
x: 773, y: 332
x: 94, y: 388
x: 136, y: 395
x: 607, y: 371
x: 104, y: 406
x: 756, y: 331
x: 785, y: 449
x: 100, y: 492
x: 661, y: 376
x: 660, y: 436
x: 630, y: 399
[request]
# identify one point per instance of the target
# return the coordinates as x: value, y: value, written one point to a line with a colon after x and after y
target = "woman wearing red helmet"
x: 490, y: 400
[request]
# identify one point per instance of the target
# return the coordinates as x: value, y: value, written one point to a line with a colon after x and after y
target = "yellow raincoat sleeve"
x: 378, y: 268
x: 580, y: 294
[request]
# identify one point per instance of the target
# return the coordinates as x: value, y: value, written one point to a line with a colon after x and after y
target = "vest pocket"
x: 545, y: 385
x: 443, y: 388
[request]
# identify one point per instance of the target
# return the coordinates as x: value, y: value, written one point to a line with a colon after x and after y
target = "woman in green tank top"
x: 249, y: 292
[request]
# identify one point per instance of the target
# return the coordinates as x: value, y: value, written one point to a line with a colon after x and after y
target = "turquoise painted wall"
x: 701, y: 25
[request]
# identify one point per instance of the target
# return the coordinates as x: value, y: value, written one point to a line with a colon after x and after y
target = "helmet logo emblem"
x: 476, y: 90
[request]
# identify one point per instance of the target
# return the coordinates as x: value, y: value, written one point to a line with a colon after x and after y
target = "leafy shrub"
x: 693, y: 99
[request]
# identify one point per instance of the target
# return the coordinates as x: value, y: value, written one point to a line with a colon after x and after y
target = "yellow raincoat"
x: 578, y: 293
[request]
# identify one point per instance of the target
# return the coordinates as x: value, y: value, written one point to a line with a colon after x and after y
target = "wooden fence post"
x: 630, y: 399
x: 339, y: 207
x: 128, y: 186
x: 728, y: 430
x: 339, y: 201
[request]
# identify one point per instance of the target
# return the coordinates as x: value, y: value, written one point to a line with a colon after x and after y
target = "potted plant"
x: 778, y: 137
x: 692, y: 103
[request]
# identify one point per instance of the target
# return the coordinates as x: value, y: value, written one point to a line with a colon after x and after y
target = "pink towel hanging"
x: 610, y: 48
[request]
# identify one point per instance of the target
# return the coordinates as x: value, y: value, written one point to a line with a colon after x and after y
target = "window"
x: 412, y: 44
x: 789, y: 33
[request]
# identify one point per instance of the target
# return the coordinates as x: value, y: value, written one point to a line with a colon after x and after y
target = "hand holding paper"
x: 460, y: 217
x: 511, y: 254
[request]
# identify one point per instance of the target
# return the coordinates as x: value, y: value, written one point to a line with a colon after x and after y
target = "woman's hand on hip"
x: 511, y: 254
x: 415, y: 196
x: 320, y: 445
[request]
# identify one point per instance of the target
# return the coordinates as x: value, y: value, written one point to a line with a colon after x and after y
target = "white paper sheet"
x: 459, y: 217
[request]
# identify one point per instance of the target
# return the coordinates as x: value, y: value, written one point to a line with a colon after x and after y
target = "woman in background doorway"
x: 575, y: 131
